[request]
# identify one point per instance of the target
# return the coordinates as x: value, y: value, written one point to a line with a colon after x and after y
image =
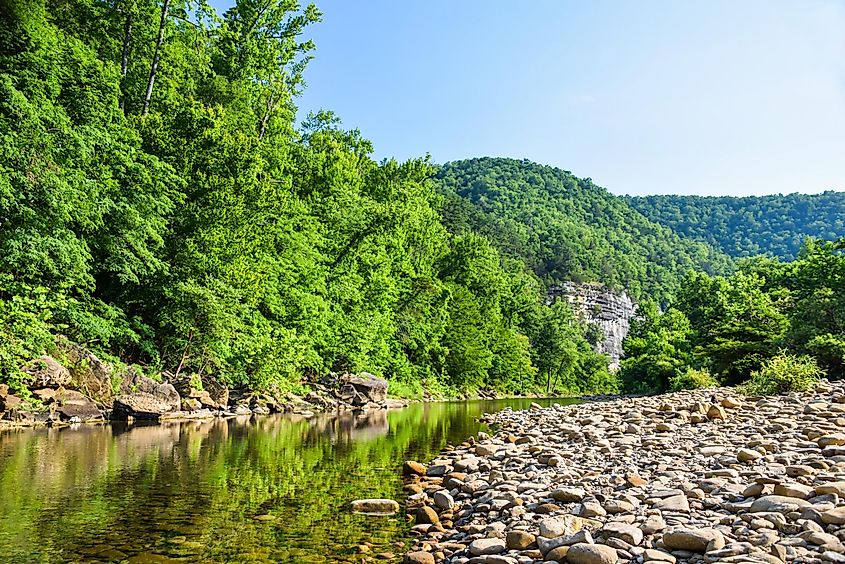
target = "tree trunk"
x: 262, y: 129
x: 124, y: 61
x: 156, y: 56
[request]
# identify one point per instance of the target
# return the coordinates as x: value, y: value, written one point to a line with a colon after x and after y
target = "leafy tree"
x: 657, y: 349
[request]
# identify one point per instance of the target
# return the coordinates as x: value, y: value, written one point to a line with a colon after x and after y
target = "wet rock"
x: 427, y: 515
x: 375, y: 506
x: 411, y: 468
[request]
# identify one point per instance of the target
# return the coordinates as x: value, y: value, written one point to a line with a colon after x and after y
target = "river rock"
x: 483, y: 547
x: 777, y: 504
x: 628, y: 533
x: 519, y: 540
x: 375, y: 506
x: 563, y: 526
x: 694, y: 540
x: 419, y: 557
x: 426, y: 515
x: 443, y: 499
x: 591, y: 554
x: 411, y: 468
x: 834, y: 516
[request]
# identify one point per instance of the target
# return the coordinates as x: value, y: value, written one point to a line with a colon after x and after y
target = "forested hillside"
x: 747, y: 226
x: 567, y: 228
x: 160, y: 206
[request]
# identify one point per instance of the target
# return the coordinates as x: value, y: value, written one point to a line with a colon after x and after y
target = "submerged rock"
x: 375, y: 506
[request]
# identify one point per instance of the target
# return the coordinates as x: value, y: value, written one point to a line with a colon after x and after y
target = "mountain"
x: 567, y: 228
x: 751, y: 225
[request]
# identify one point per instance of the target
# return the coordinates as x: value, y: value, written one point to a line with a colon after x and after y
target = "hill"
x: 747, y: 226
x: 567, y: 228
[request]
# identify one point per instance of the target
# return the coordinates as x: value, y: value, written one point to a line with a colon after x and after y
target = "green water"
x: 192, y: 491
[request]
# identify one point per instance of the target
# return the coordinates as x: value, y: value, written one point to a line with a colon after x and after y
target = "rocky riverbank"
x: 692, y: 477
x: 81, y: 388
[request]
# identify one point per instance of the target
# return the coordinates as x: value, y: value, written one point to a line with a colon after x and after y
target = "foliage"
x: 737, y: 326
x: 567, y: 228
x: 160, y: 206
x: 656, y: 349
x: 693, y: 379
x: 743, y: 227
x: 784, y: 373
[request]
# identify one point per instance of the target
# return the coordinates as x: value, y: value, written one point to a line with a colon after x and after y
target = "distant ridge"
x: 750, y: 225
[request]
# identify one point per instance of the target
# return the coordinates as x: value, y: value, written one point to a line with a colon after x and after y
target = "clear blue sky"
x: 672, y: 96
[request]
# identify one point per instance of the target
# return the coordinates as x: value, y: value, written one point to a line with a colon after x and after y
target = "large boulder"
x: 134, y: 382
x: 73, y: 405
x: 140, y: 405
x: 88, y: 373
x: 46, y: 372
x: 370, y: 387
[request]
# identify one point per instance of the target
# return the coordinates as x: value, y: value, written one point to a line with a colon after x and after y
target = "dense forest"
x: 567, y: 228
x: 741, y: 227
x: 161, y: 206
x: 770, y: 321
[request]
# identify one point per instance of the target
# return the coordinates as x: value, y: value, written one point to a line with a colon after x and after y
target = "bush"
x: 784, y: 373
x: 693, y: 379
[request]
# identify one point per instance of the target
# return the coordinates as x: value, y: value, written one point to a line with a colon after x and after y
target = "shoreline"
x: 668, y: 478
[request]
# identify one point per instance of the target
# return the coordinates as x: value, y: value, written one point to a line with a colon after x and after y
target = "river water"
x: 268, y: 489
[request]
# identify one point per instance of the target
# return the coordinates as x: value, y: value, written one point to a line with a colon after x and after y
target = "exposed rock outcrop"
x: 609, y: 310
x: 140, y: 405
x: 46, y: 372
x: 89, y: 374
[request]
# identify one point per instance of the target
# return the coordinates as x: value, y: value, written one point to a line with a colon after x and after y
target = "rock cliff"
x: 609, y: 310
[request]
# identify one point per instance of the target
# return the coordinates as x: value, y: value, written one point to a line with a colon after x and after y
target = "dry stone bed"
x: 690, y: 477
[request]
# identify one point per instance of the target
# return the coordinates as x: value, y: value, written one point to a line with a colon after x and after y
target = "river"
x: 267, y: 489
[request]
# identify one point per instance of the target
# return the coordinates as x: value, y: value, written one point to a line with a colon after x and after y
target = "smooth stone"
x: 419, y: 557
x: 673, y: 503
x: 375, y: 506
x: 519, y: 540
x: 628, y: 533
x: 834, y: 516
x: 583, y: 553
x: 482, y: 547
x: 694, y: 540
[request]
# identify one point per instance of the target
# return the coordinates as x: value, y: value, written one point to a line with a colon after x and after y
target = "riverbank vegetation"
x: 782, y: 324
x: 161, y: 206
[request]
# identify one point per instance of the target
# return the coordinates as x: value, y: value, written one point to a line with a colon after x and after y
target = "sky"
x: 708, y: 97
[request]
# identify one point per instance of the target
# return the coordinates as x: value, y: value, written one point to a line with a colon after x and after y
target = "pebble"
x: 695, y: 477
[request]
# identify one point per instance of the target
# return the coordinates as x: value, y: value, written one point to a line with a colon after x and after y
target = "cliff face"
x: 608, y: 309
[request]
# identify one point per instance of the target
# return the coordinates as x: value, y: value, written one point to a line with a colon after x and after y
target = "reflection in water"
x: 266, y: 489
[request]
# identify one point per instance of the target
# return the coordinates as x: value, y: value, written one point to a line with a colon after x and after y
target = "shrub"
x: 693, y: 379
x: 784, y: 373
